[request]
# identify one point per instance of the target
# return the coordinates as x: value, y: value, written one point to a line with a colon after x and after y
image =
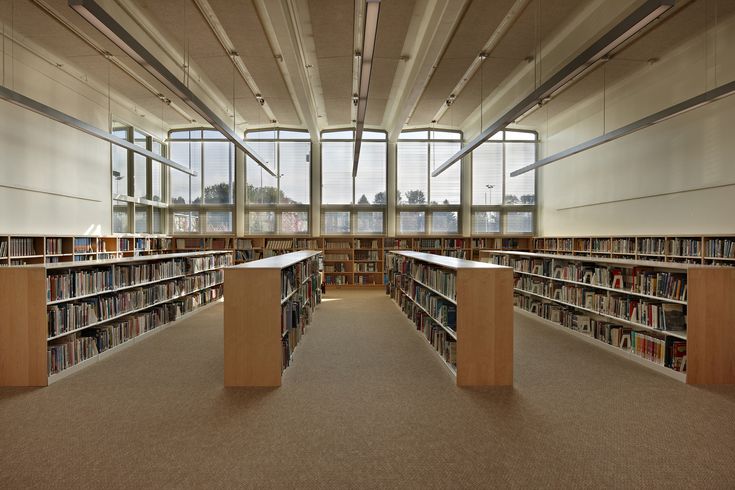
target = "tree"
x: 380, y: 198
x: 528, y: 199
x: 415, y: 197
x: 267, y: 195
x: 217, y: 193
x: 511, y: 199
x: 363, y: 200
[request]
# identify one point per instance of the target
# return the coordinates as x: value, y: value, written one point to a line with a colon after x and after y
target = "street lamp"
x: 490, y: 190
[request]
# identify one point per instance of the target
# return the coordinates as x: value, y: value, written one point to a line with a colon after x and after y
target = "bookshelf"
x: 672, y: 317
x: 462, y: 308
x: 64, y: 316
x: 686, y: 249
x: 269, y: 304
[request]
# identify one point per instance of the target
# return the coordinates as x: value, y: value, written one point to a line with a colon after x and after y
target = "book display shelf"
x: 699, y: 249
x: 39, y: 249
x: 60, y: 317
x: 270, y: 302
x: 673, y: 317
x: 462, y: 308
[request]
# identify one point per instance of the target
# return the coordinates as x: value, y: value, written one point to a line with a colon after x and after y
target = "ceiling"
x: 298, y: 56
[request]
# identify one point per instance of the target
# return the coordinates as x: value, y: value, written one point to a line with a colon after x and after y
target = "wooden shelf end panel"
x: 23, y: 327
x: 711, y: 325
x: 485, y: 327
x: 252, y: 320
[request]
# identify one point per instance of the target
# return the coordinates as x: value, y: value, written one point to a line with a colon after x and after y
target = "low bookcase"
x: 269, y: 304
x: 59, y: 317
x: 675, y: 318
x: 464, y: 309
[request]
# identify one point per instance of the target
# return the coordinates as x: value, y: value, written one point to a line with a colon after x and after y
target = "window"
x: 210, y: 195
x: 279, y: 204
x: 431, y: 203
x: 501, y: 203
x: 354, y: 204
x: 137, y: 184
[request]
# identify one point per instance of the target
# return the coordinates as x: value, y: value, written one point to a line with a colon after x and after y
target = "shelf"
x: 433, y: 290
x: 107, y: 320
x: 451, y: 332
x: 671, y: 333
x: 120, y: 288
x: 679, y: 376
x: 605, y: 288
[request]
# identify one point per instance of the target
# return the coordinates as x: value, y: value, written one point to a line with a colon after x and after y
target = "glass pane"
x: 413, y: 135
x: 186, y: 222
x: 156, y: 185
x: 295, y: 172
x: 141, y: 219
x: 446, y: 135
x: 186, y: 189
x: 446, y: 187
x: 487, y: 174
x: 520, y: 135
x: 120, y: 217
x: 179, y: 135
x: 260, y: 135
x: 140, y: 139
x: 337, y: 172
x: 262, y: 187
x: 293, y: 135
x: 520, y: 190
x: 412, y: 173
x: 336, y: 222
x: 486, y: 222
x: 497, y: 136
x: 219, y: 172
x: 369, y: 222
x: 444, y: 222
x: 156, y: 225
x: 262, y: 222
x: 212, y: 134
x: 412, y: 222
x: 140, y: 176
x: 374, y: 135
x: 338, y: 135
x: 219, y: 221
x: 370, y: 186
x: 516, y: 222
x: 295, y: 222
x: 119, y: 168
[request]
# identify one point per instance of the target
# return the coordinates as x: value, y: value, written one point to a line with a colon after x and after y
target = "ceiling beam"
x: 63, y: 118
x: 596, y: 52
x: 102, y: 21
x: 429, y: 33
x: 210, y: 17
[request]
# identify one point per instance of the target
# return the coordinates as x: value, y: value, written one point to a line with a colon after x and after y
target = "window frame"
x: 502, y: 208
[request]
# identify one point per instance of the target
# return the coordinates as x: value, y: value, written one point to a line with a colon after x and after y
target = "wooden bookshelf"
x: 703, y: 294
x: 116, y: 301
x: 687, y: 249
x: 255, y: 339
x: 434, y: 289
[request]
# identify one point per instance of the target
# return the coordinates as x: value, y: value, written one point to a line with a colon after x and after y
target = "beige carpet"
x: 365, y: 404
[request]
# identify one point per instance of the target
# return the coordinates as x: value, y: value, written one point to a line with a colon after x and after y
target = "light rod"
x: 669, y: 112
x: 366, y: 67
x: 103, y: 22
x: 601, y: 48
x: 58, y: 116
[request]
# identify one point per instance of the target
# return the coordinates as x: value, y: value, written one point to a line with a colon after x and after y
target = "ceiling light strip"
x: 102, y: 21
x: 372, y: 13
x: 601, y: 48
x: 58, y: 116
x: 669, y: 112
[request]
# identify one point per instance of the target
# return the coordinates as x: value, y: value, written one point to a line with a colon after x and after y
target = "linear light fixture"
x: 596, y: 52
x: 58, y: 116
x: 103, y: 22
x: 366, y: 66
x: 669, y: 112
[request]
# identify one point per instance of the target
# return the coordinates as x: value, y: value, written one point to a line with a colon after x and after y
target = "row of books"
x: 455, y: 243
x: 3, y: 249
x: 654, y: 246
x: 665, y: 351
x: 366, y: 280
x: 443, y: 311
x: 690, y: 247
x: 333, y: 256
x: 660, y: 316
x: 293, y: 277
x: 397, y: 243
x: 307, y: 244
x: 442, y: 342
x: 128, y: 275
x: 457, y: 254
x: 198, y: 264
x: 364, y: 243
x: 442, y: 280
x: 71, y: 350
x: 78, y: 283
x: 336, y: 280
x: 367, y: 255
x: 20, y: 247
x: 430, y: 243
x: 85, y: 245
x: 338, y: 267
x: 623, y: 245
x: 54, y: 246
x: 279, y: 244
x: 717, y: 248
x: 68, y: 317
x: 337, y: 245
x: 365, y: 267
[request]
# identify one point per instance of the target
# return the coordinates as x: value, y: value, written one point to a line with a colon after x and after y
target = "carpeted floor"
x: 365, y: 404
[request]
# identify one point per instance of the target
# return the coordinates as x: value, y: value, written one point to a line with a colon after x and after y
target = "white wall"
x: 677, y: 177
x: 41, y: 158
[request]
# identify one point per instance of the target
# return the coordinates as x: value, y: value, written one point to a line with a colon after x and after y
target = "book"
x: 674, y: 317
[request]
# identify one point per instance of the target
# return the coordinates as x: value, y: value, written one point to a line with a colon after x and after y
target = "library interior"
x: 367, y: 244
